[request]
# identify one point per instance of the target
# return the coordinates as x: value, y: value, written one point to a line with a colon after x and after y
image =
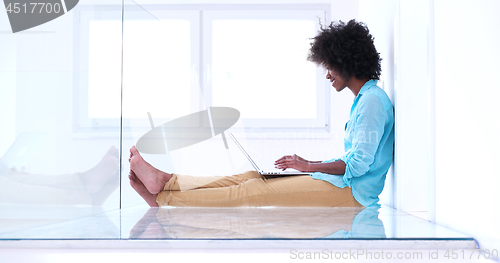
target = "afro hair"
x: 348, y: 49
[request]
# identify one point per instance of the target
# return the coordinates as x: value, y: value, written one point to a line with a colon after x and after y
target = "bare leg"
x: 141, y: 190
x: 153, y: 179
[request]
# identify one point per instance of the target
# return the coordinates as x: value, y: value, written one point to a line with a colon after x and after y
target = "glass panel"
x: 48, y: 158
x: 104, y: 59
x: 157, y: 67
x: 165, y: 112
x: 60, y: 110
x: 160, y: 85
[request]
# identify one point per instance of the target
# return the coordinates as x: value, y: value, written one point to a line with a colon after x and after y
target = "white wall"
x: 467, y: 118
x: 413, y: 138
x: 447, y: 121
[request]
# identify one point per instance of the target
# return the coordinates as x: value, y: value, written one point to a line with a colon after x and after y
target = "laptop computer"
x: 269, y: 172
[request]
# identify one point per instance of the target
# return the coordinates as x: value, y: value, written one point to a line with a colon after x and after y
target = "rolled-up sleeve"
x: 365, y: 135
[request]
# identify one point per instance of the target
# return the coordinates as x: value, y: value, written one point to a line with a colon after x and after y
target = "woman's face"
x: 337, y: 81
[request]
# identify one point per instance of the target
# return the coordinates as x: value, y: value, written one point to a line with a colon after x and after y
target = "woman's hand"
x: 293, y: 161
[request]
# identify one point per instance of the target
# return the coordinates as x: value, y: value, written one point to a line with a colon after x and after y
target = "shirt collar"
x: 363, y: 89
x: 367, y: 85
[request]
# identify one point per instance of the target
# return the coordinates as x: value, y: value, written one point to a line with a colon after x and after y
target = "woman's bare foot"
x: 154, y: 231
x: 96, y: 177
x: 143, y: 223
x: 141, y: 190
x: 153, y: 179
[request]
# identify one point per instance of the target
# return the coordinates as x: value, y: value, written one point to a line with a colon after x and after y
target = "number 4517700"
x: 34, y: 8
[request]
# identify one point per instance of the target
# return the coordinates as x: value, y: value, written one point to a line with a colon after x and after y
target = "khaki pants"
x: 250, y: 189
x: 277, y: 222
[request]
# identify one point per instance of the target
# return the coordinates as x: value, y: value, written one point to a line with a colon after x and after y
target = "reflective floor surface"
x: 141, y: 222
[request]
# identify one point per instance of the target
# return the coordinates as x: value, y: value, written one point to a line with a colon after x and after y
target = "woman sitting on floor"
x: 355, y: 179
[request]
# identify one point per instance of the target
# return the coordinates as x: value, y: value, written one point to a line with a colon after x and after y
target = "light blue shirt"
x: 366, y: 224
x: 368, y: 144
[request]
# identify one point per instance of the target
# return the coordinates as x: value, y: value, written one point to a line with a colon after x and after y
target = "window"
x: 180, y: 59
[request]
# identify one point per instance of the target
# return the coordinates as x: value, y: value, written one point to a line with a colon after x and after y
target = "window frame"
x: 82, y: 123
x: 320, y: 122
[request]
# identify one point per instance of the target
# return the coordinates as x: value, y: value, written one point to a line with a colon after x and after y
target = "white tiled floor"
x: 140, y: 233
